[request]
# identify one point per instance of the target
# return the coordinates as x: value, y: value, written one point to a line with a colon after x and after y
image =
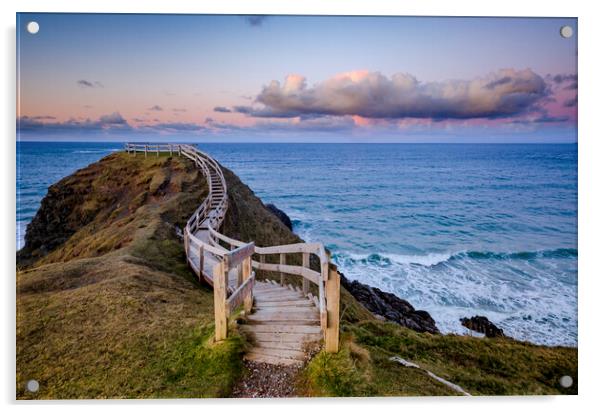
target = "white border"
x: 590, y: 207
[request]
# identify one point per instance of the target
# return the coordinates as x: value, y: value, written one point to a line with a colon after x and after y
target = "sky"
x: 128, y: 77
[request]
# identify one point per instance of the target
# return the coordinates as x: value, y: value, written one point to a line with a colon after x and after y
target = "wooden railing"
x: 234, y: 254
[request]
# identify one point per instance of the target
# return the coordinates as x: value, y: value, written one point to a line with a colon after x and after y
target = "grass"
x: 499, y: 366
x: 107, y: 308
x: 113, y: 311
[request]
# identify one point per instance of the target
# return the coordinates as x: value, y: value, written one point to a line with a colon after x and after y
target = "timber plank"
x: 276, y: 328
x: 262, y: 358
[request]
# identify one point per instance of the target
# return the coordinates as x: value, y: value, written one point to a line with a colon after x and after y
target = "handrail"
x: 210, y: 215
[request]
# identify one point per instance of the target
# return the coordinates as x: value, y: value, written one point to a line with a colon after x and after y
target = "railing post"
x: 157, y: 149
x: 170, y: 150
x: 324, y: 269
x: 246, y: 273
x: 240, y: 277
x: 305, y: 280
x: 219, y: 301
x: 201, y: 260
x: 332, y: 291
x: 186, y: 243
x: 145, y: 150
x: 282, y: 262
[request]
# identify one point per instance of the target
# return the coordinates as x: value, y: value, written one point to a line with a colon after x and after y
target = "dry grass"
x: 114, y: 312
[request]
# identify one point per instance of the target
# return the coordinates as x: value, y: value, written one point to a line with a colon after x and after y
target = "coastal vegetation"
x: 107, y: 308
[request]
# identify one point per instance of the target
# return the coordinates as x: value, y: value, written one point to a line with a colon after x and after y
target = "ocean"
x: 457, y: 230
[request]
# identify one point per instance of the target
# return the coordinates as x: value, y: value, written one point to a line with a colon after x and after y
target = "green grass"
x: 498, y: 366
x: 113, y: 311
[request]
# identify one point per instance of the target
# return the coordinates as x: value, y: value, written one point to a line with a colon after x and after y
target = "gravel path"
x: 266, y: 380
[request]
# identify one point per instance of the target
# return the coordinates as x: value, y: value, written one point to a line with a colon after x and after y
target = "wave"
x: 96, y: 151
x: 433, y: 259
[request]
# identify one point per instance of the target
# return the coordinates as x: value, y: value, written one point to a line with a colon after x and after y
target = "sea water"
x: 457, y: 230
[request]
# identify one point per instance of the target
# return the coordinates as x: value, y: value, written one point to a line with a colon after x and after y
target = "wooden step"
x: 262, y: 358
x: 276, y: 345
x: 299, y: 321
x: 287, y: 337
x: 290, y: 303
x: 280, y: 353
x: 287, y: 311
x: 281, y: 296
x: 280, y: 328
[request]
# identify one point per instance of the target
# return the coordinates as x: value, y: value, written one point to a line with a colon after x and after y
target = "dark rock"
x: 281, y: 215
x: 390, y: 307
x: 481, y: 324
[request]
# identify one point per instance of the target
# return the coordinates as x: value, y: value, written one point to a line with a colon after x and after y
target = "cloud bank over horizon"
x: 373, y: 95
x: 357, y: 103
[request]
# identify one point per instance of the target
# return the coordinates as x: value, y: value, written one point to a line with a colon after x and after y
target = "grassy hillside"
x: 106, y: 306
x: 110, y: 309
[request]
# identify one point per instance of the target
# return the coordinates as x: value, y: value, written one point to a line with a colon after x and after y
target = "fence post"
x: 246, y: 273
x: 324, y: 269
x: 282, y: 262
x: 201, y: 260
x: 145, y: 150
x: 157, y: 149
x: 170, y: 150
x: 219, y: 301
x: 186, y: 243
x: 332, y: 291
x: 305, y: 280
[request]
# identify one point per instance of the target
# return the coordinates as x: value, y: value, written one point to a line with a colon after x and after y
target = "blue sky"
x: 296, y: 78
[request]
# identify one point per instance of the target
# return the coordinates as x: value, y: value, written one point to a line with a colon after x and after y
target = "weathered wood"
x: 288, y: 303
x: 239, y: 296
x: 276, y: 328
x: 305, y: 265
x: 219, y: 302
x: 287, y: 337
x: 235, y: 257
x: 247, y: 274
x: 201, y: 257
x: 312, y: 248
x: 279, y: 307
x: 311, y: 275
x: 333, y: 291
x: 262, y: 358
x: 282, y: 263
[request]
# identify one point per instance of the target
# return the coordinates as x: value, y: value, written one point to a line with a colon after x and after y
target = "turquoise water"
x: 457, y: 230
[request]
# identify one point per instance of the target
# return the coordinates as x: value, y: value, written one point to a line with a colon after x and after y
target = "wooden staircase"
x: 284, y: 325
x: 283, y: 322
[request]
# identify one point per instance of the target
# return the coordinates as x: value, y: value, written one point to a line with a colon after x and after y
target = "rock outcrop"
x: 481, y: 324
x: 281, y: 215
x: 390, y: 306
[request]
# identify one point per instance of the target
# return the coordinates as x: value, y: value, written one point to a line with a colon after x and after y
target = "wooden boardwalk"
x: 282, y: 321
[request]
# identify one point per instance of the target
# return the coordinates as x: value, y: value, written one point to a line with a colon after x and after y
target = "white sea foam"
x: 527, y: 307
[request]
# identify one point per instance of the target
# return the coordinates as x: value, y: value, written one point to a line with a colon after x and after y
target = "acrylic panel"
x: 295, y: 206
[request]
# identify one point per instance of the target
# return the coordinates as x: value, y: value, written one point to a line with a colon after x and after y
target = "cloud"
x: 179, y: 110
x: 110, y: 122
x: 156, y: 108
x: 570, y: 103
x: 550, y: 119
x: 372, y: 95
x: 176, y: 127
x: 43, y: 117
x: 89, y: 84
x: 255, y: 20
x: 221, y: 109
x: 564, y: 77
